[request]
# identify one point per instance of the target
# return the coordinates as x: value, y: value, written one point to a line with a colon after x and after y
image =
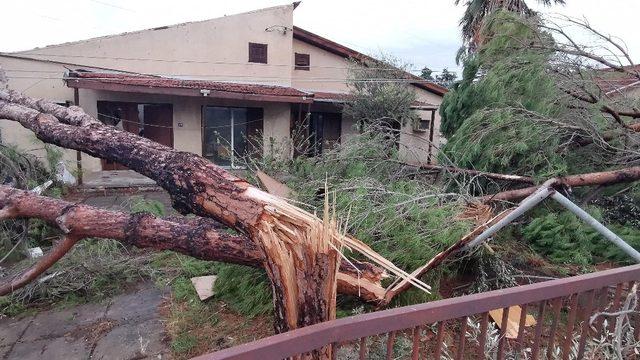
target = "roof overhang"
x: 97, y: 84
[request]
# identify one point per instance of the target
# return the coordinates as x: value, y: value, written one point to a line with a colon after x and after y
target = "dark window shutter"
x: 258, y: 53
x: 302, y: 61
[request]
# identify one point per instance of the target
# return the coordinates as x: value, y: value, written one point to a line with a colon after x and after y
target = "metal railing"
x: 460, y: 328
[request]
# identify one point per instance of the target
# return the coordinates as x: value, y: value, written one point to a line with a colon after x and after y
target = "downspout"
x: 76, y: 101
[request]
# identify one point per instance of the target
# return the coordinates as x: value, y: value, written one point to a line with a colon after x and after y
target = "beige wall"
x: 215, y: 49
x: 325, y: 69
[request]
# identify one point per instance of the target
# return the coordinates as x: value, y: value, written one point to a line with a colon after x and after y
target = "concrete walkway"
x: 125, y: 327
x: 113, y: 179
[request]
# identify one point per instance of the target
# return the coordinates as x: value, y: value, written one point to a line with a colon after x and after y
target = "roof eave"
x: 345, y: 52
x: 192, y: 92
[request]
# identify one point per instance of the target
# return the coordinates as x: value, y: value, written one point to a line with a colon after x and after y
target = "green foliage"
x: 477, y: 11
x: 378, y: 95
x: 394, y: 210
x: 494, y: 117
x: 563, y: 238
x: 246, y: 290
x: 24, y: 171
x: 91, y: 271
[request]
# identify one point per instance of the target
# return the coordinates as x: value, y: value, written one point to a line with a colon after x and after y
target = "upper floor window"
x: 258, y: 53
x: 302, y: 61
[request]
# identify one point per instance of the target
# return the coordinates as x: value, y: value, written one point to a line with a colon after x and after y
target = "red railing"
x: 460, y: 328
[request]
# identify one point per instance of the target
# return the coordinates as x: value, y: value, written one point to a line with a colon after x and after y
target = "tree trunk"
x: 300, y: 251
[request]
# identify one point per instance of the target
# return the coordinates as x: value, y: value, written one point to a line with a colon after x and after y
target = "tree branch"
x: 197, y: 237
x: 599, y: 178
x: 55, y: 254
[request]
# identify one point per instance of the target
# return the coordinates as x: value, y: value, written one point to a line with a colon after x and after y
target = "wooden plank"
x: 273, y: 186
x: 513, y: 320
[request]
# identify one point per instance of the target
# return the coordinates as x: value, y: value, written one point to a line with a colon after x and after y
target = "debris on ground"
x: 204, y: 286
x: 513, y: 320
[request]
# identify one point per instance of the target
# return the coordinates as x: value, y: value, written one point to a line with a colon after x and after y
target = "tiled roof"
x: 163, y: 82
x: 611, y: 82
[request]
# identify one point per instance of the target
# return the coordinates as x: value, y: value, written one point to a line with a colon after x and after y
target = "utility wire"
x: 171, y: 127
x: 190, y: 61
x: 232, y: 81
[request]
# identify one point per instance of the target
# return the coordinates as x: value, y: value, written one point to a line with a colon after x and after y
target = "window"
x: 302, y: 61
x: 424, y: 125
x: 257, y: 53
x: 324, y: 131
x: 230, y: 133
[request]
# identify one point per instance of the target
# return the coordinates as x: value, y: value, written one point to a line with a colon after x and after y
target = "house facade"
x: 220, y: 88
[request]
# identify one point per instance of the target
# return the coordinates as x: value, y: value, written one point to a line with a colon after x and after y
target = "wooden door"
x: 153, y: 121
x: 121, y: 115
x: 158, y: 123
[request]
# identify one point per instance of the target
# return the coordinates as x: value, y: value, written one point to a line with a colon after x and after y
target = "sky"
x: 420, y: 33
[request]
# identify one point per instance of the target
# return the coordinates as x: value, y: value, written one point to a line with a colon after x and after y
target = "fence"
x: 460, y: 328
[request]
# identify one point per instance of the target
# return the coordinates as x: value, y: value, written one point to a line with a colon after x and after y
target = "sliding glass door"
x: 230, y: 133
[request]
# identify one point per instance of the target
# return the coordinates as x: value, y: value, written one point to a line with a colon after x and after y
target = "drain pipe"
x: 569, y: 205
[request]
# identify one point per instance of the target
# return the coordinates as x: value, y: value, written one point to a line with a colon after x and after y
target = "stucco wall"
x: 327, y: 71
x: 215, y: 49
x: 40, y: 80
x: 414, y: 145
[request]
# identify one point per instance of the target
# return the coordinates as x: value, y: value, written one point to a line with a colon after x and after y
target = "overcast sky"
x: 420, y: 32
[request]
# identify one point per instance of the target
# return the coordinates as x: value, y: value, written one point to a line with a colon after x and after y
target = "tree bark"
x: 197, y: 237
x: 300, y: 250
x: 598, y: 178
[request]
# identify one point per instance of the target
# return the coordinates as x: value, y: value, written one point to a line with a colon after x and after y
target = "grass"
x: 227, y: 319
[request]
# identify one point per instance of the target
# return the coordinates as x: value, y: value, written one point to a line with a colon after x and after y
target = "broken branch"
x: 590, y: 179
x: 197, y: 237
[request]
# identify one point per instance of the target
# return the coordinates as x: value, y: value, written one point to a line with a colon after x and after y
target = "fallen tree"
x: 591, y: 179
x: 300, y: 252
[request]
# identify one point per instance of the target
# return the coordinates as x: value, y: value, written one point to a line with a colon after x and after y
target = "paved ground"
x: 125, y: 327
x: 115, y: 179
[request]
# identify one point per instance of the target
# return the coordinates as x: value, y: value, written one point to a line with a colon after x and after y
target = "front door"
x: 153, y: 121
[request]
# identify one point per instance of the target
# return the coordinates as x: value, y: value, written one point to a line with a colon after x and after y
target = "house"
x: 208, y: 86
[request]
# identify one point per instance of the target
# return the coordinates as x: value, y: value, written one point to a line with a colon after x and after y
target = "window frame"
x: 307, y: 57
x: 258, y: 53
